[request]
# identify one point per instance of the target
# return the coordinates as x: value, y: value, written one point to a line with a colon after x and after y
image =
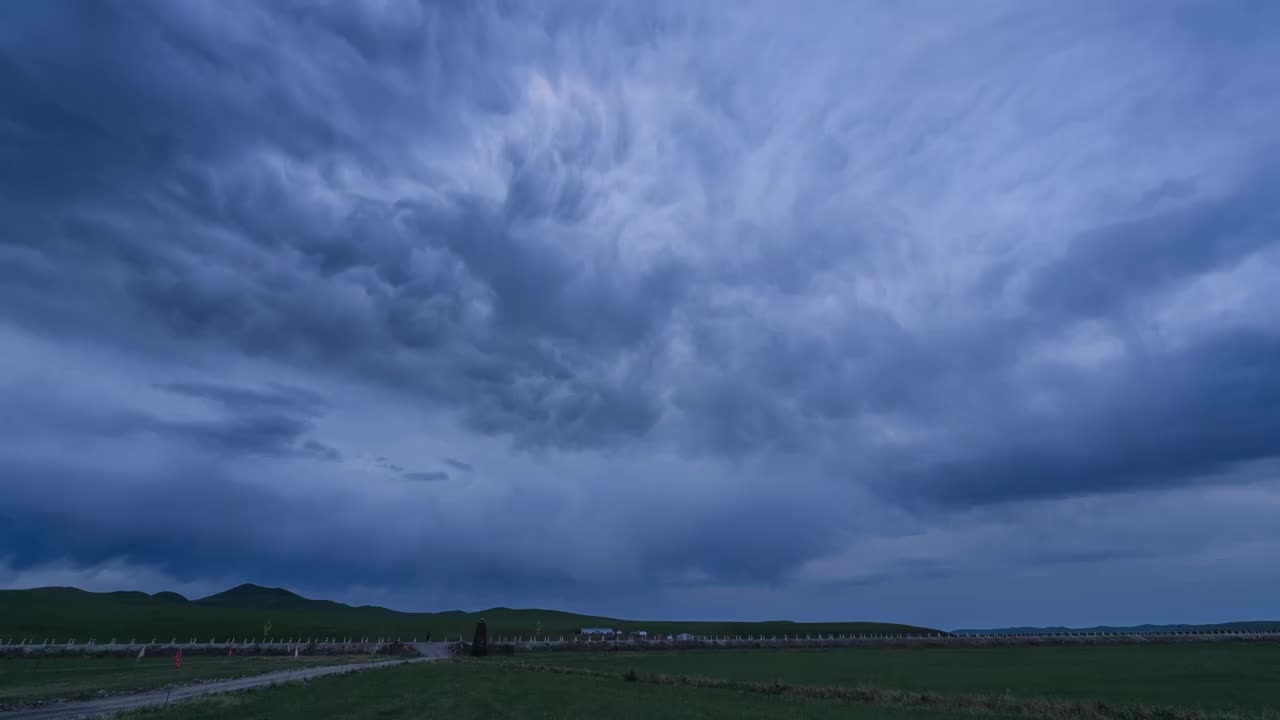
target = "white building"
x: 597, y: 631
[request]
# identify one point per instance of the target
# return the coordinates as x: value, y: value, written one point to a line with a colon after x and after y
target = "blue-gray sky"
x: 959, y: 314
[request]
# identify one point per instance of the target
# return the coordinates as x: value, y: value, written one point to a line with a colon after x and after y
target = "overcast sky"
x: 952, y: 313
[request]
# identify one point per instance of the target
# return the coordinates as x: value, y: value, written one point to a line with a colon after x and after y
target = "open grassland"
x: 1235, y: 677
x: 25, y: 681
x: 243, y: 613
x: 485, y: 690
x: 506, y: 689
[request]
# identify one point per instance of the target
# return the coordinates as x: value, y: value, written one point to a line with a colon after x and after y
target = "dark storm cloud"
x: 712, y: 551
x: 1156, y: 417
x: 184, y: 227
x: 246, y: 434
x: 200, y: 507
x: 711, y: 298
x: 1164, y: 421
x: 903, y: 569
x: 276, y: 398
x: 274, y: 422
x: 1163, y: 416
x: 271, y: 421
x: 1102, y: 270
x: 192, y: 523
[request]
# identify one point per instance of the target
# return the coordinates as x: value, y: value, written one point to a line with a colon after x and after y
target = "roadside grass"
x: 1237, y: 677
x: 490, y: 690
x: 1157, y: 682
x: 507, y: 689
x: 27, y: 681
x: 1004, y: 705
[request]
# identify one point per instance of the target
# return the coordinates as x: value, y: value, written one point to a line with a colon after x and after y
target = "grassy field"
x: 1241, y: 677
x: 30, y: 680
x: 484, y: 690
x: 958, y: 685
x: 63, y: 613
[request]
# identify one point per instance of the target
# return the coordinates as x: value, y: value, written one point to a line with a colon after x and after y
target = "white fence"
x: 333, y: 645
x: 879, y: 639
x: 234, y: 646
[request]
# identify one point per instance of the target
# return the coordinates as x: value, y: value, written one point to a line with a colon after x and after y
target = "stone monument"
x: 480, y: 643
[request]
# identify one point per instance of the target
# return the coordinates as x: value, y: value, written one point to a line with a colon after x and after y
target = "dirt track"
x: 121, y: 703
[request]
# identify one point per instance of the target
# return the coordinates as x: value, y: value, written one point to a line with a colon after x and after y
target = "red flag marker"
x: 177, y: 659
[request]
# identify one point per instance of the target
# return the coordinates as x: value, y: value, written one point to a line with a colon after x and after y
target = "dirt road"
x: 121, y: 703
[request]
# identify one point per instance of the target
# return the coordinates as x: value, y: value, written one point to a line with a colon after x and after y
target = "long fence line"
x: 233, y: 646
x: 371, y: 645
x: 685, y: 641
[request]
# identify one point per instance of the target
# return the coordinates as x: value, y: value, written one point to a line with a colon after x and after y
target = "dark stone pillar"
x: 480, y: 644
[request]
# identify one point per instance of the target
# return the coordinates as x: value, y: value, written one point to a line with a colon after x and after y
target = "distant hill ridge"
x: 1240, y: 625
x: 256, y: 596
x: 252, y: 611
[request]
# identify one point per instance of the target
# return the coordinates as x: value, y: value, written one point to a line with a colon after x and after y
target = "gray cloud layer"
x: 860, y: 274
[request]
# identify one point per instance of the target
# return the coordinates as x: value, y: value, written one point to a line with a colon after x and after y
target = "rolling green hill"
x: 242, y: 612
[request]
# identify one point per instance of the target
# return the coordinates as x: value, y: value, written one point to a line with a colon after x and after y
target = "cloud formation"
x: 427, y: 476
x: 781, y: 307
x: 457, y: 464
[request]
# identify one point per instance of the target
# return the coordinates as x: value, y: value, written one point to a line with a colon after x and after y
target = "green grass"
x: 64, y: 613
x: 1235, y: 676
x: 30, y: 680
x: 497, y: 689
x: 475, y: 690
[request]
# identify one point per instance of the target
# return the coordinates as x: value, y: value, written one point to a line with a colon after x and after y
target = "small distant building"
x: 641, y: 633
x: 597, y: 631
x: 684, y: 636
